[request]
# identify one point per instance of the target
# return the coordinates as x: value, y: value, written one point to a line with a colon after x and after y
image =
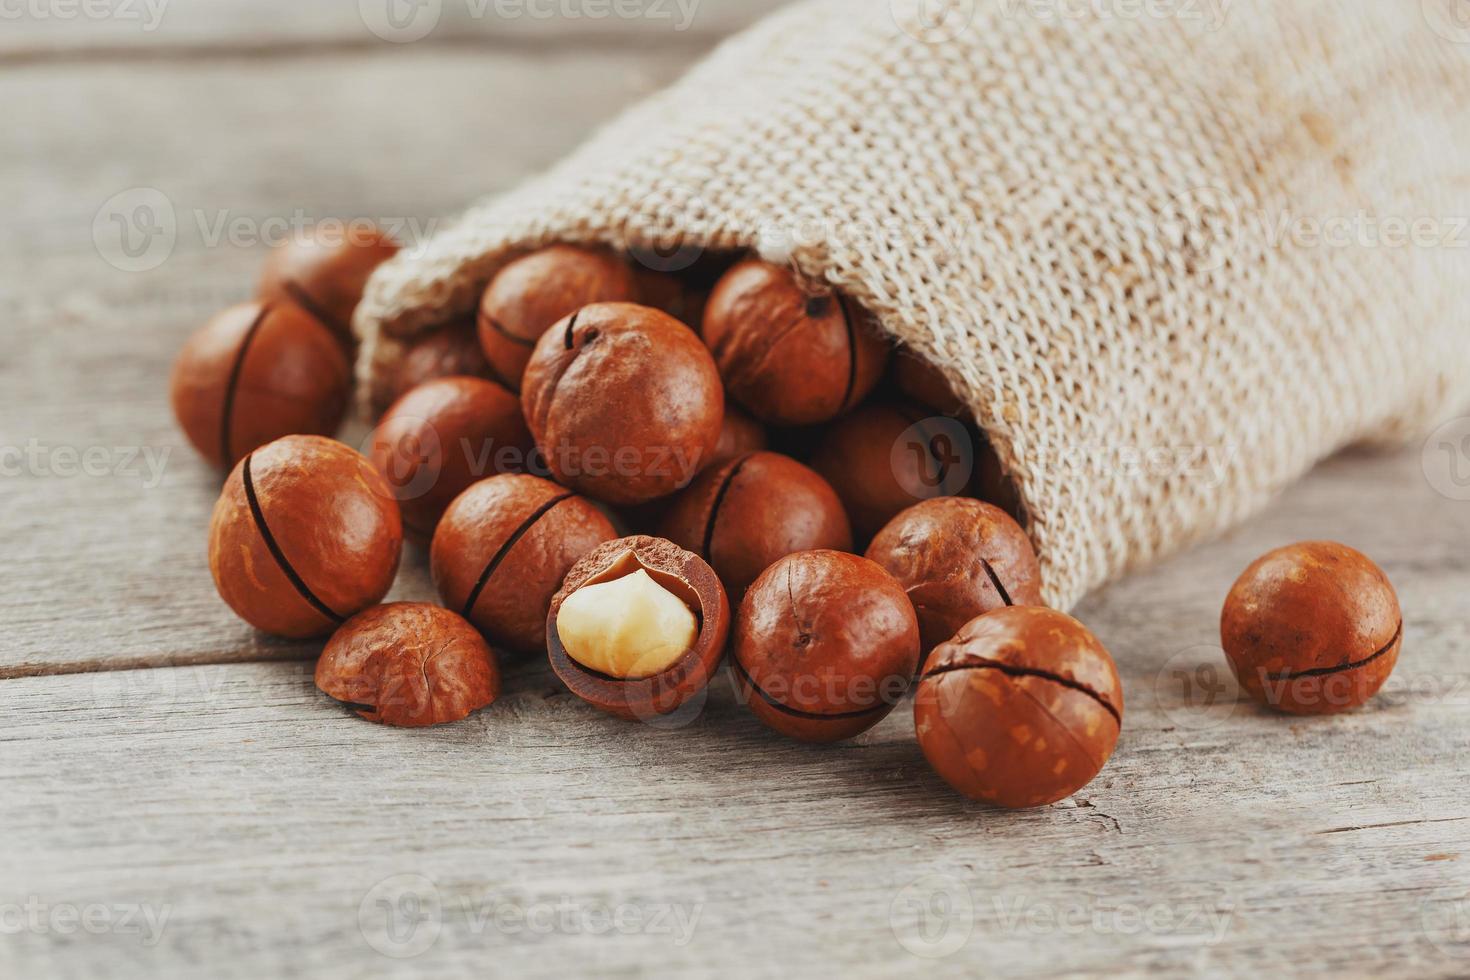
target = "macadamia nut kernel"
x: 630, y: 627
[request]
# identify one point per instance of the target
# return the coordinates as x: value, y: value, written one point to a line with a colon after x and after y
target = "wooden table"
x: 176, y: 799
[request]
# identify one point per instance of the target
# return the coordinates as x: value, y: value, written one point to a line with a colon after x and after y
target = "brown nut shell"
x: 502, y: 550
x: 450, y: 351
x: 739, y: 434
x: 443, y: 437
x: 409, y: 664
x: 825, y: 645
x: 886, y: 457
x: 958, y: 558
x: 1022, y: 708
x: 680, y: 572
x: 625, y: 403
x: 306, y: 534
x: 921, y: 381
x: 744, y: 515
x: 536, y: 291
x: 789, y: 356
x: 254, y: 373
x: 1313, y: 628
x: 326, y: 274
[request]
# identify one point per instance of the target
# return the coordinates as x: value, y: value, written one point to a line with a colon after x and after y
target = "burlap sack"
x: 1158, y: 245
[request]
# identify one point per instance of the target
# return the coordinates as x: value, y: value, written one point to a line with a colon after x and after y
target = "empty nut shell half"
x: 409, y: 664
x: 679, y: 572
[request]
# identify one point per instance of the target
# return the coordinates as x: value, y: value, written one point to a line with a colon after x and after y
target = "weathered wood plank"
x: 260, y: 819
x: 68, y: 29
x: 108, y: 569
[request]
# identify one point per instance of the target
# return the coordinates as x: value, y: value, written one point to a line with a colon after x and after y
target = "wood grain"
x: 67, y: 30
x: 176, y: 779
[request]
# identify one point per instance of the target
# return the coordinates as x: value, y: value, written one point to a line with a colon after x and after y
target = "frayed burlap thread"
x: 1156, y: 252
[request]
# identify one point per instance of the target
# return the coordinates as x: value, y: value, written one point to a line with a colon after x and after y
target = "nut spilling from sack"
x: 628, y: 472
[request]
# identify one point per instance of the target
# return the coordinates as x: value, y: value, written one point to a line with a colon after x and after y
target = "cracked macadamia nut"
x: 744, y: 515
x: 441, y: 438
x: 502, y: 549
x: 326, y: 271
x: 958, y: 558
x: 789, y: 356
x: 1021, y: 709
x: 255, y: 373
x: 409, y: 664
x: 638, y: 628
x: 625, y: 403
x: 532, y: 293
x: 1312, y: 629
x: 825, y: 645
x: 450, y: 351
x: 305, y: 534
x: 886, y: 457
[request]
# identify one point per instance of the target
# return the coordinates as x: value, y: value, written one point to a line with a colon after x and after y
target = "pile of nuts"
x: 632, y: 473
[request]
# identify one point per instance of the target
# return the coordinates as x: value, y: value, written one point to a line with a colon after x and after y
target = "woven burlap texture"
x: 1155, y: 247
